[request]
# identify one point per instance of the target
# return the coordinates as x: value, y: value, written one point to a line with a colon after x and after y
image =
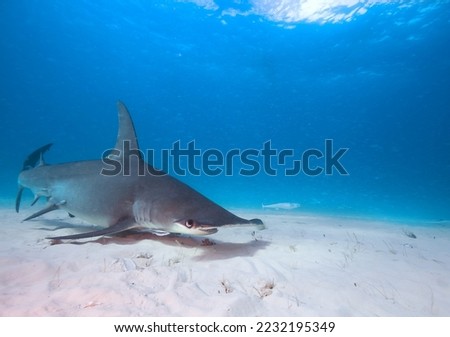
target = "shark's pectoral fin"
x: 35, y: 200
x: 49, y: 208
x: 114, y: 229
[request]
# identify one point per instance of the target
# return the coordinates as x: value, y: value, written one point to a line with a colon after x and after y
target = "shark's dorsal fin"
x: 126, y: 136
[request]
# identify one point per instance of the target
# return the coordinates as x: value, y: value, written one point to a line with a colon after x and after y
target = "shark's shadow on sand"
x: 206, y: 249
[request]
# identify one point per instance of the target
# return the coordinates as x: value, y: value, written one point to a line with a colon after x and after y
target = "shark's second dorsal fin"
x: 126, y: 136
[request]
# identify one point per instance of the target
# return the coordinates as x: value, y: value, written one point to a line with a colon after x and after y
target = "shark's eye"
x: 189, y: 223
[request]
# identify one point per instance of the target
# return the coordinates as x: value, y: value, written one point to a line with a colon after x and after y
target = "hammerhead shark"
x: 141, y: 198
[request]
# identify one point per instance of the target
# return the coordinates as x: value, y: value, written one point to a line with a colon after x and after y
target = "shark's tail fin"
x: 18, y: 198
x: 34, y: 159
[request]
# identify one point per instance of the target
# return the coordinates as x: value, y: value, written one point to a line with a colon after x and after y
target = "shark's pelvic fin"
x: 35, y: 200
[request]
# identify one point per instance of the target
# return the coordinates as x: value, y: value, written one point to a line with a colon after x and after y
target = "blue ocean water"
x: 373, y: 76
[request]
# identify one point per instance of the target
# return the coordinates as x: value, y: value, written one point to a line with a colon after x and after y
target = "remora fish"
x: 145, y: 199
x: 282, y: 205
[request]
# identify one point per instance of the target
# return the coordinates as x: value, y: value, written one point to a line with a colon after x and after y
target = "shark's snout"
x: 256, y: 221
x: 207, y: 231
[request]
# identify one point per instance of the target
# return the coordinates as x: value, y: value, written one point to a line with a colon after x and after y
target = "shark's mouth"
x: 207, y: 230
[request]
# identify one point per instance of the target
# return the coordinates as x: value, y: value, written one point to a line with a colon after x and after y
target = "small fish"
x: 282, y: 205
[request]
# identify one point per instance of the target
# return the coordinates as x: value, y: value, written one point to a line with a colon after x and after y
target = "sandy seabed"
x: 301, y: 265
